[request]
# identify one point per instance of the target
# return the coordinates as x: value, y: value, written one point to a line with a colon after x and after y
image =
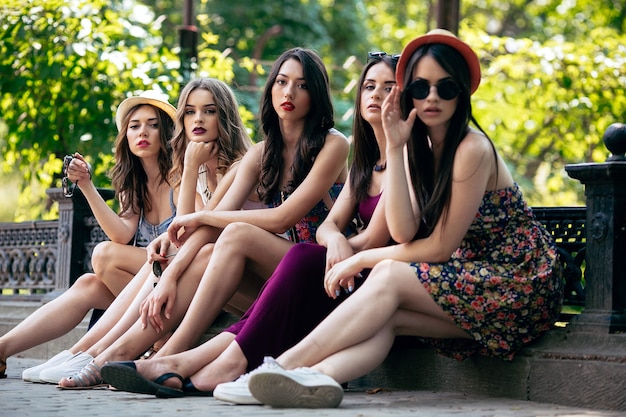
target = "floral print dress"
x: 304, y: 231
x: 503, y: 285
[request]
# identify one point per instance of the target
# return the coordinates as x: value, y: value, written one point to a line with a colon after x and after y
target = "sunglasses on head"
x: 380, y: 55
x: 446, y: 90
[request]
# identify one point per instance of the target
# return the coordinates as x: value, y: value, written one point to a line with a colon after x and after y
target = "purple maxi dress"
x: 292, y: 301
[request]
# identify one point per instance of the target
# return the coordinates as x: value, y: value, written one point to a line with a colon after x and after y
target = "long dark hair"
x: 318, y: 121
x: 128, y: 177
x: 233, y: 140
x: 365, y: 147
x: 433, y: 189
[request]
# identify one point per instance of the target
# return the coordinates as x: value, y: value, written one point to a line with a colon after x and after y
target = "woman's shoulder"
x: 334, y: 133
x: 337, y: 140
x: 255, y: 151
x: 475, y: 143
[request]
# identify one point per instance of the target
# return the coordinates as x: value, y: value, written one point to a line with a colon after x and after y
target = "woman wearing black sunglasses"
x: 474, y: 272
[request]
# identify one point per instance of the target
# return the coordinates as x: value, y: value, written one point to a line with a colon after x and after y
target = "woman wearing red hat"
x: 474, y: 271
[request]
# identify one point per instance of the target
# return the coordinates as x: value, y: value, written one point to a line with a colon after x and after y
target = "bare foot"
x: 154, y: 368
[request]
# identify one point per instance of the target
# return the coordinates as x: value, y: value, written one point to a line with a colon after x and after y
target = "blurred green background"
x: 553, y: 75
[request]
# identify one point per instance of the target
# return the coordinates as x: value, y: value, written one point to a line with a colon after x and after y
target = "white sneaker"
x: 68, y: 368
x: 32, y: 374
x: 237, y: 391
x: 297, y: 388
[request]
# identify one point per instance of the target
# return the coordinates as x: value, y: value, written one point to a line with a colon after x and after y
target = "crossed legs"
x: 353, y: 340
x: 244, y: 257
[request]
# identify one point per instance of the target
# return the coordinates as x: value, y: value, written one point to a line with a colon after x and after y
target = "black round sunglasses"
x: 447, y: 89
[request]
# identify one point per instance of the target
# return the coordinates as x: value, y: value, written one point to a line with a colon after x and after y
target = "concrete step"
x: 13, y: 312
x: 573, y: 369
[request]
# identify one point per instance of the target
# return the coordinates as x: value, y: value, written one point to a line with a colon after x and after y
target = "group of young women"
x: 430, y: 236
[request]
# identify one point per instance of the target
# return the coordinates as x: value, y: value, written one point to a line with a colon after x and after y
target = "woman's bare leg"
x: 116, y: 264
x: 128, y: 339
x: 240, y: 247
x: 228, y: 366
x: 57, y: 317
x: 114, y: 313
x: 127, y: 344
x: 397, y: 304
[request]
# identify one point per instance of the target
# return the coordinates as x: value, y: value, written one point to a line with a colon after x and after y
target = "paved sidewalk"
x: 19, y: 398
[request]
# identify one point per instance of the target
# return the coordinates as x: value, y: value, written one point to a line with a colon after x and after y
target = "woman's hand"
x: 338, y: 249
x: 159, y: 303
x: 78, y: 170
x: 341, y: 276
x: 397, y: 130
x: 198, y: 153
x: 159, y: 248
x: 190, y: 222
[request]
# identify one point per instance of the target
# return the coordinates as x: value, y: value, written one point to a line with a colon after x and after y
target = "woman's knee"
x: 388, y: 274
x: 236, y: 233
x: 88, y: 283
x: 101, y: 256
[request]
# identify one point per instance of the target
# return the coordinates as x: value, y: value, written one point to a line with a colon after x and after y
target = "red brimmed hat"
x: 445, y: 37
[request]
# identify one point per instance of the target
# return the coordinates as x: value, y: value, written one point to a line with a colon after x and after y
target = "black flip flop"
x: 3, y: 369
x: 190, y: 390
x: 124, y: 376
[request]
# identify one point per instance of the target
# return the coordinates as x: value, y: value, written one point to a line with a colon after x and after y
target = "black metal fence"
x: 45, y: 256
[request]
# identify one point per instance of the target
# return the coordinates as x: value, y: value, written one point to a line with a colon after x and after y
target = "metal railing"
x: 46, y: 256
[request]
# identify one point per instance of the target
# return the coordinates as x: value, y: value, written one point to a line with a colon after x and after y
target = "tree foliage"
x: 553, y: 73
x: 65, y: 67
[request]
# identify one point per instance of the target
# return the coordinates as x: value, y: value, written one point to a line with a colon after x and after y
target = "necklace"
x: 203, y: 185
x: 380, y: 167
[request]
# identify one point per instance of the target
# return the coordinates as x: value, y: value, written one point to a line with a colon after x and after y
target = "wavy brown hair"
x: 233, y: 140
x: 128, y: 177
x: 318, y: 121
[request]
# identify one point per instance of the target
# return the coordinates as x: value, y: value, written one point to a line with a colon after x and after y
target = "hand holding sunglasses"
x: 68, y: 191
x: 157, y: 269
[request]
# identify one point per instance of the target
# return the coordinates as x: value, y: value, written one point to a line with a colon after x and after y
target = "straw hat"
x: 445, y: 37
x: 152, y: 97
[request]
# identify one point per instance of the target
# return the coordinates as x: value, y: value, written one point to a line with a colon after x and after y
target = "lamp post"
x: 448, y: 14
x: 188, y: 34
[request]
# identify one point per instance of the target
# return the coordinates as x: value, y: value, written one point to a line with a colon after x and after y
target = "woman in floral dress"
x: 474, y: 271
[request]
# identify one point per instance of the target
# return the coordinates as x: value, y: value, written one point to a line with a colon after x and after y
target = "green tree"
x: 60, y: 86
x: 553, y: 75
x: 548, y: 104
x: 65, y: 68
x: 553, y: 79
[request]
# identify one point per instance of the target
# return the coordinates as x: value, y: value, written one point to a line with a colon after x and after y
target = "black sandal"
x: 3, y: 368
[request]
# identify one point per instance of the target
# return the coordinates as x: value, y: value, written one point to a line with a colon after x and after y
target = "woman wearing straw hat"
x: 474, y: 271
x: 145, y: 125
x: 204, y: 146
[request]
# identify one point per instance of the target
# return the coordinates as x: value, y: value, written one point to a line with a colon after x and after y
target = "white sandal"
x: 88, y: 378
